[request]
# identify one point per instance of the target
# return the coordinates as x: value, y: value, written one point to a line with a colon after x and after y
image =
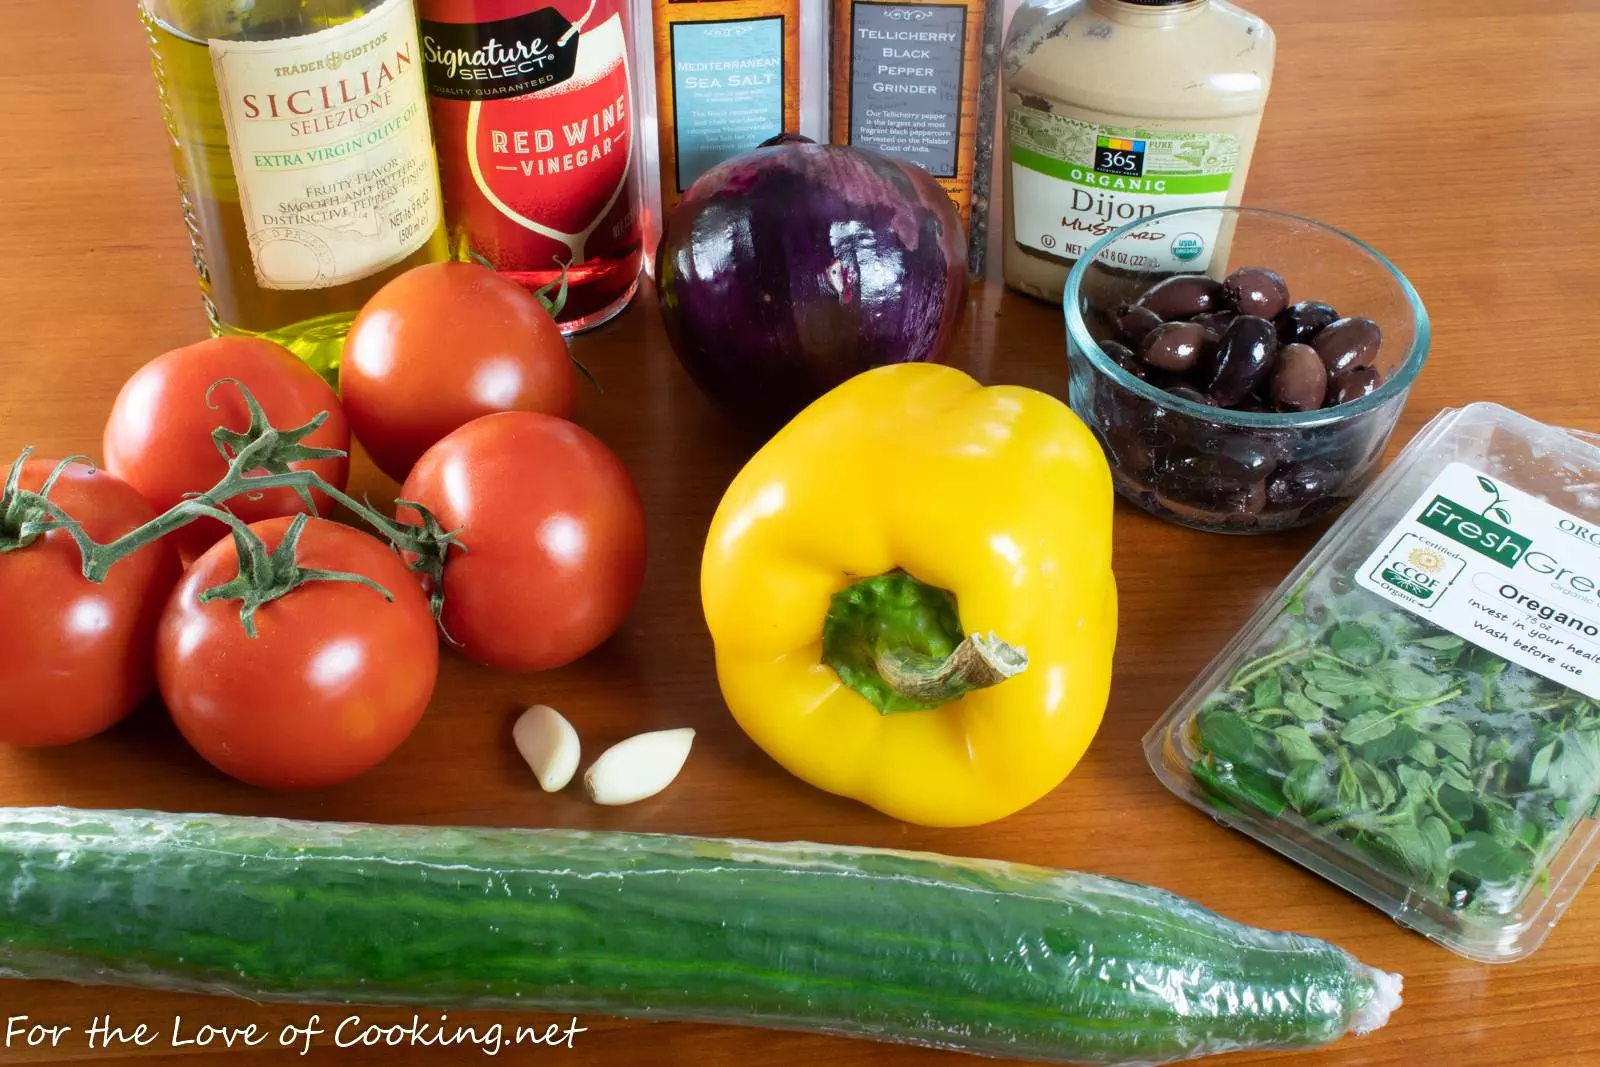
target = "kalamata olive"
x: 1300, y: 382
x: 1133, y: 322
x: 1348, y: 343
x: 1256, y: 291
x: 1189, y: 393
x: 1123, y: 356
x: 1294, y: 485
x: 1216, y: 321
x: 1353, y: 385
x: 1242, y: 510
x: 1254, y: 500
x: 1182, y: 295
x: 1245, y: 357
x: 1198, y: 479
x: 1238, y: 455
x: 1173, y: 346
x: 1299, y: 323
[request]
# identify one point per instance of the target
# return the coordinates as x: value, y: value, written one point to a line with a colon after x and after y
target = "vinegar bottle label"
x: 331, y: 148
x: 534, y: 114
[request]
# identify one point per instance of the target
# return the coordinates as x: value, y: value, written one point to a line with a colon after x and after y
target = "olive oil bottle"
x: 304, y: 158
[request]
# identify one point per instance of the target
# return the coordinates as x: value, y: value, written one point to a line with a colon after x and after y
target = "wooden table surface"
x: 1459, y: 136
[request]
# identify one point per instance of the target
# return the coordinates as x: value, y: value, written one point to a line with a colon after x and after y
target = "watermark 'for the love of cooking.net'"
x: 104, y: 1033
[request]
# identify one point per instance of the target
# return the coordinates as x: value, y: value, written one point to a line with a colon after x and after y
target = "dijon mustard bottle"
x: 1116, y: 110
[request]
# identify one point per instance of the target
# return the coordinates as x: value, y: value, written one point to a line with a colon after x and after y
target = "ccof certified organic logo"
x: 1425, y: 559
x: 1418, y: 569
x: 1410, y: 579
x: 1486, y: 531
x: 1187, y: 246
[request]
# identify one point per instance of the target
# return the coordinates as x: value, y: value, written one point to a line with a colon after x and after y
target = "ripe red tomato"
x: 441, y: 345
x: 554, y: 535
x: 335, y: 678
x: 158, y: 438
x: 76, y: 657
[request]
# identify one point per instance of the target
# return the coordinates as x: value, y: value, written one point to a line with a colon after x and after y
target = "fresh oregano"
x: 1440, y: 764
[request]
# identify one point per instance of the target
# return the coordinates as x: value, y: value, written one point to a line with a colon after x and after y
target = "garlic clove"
x: 549, y: 744
x: 639, y: 767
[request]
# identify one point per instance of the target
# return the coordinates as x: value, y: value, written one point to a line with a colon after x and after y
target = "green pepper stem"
x: 977, y: 663
x: 899, y: 643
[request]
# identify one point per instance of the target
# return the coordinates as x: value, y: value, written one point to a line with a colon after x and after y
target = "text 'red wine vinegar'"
x: 533, y: 118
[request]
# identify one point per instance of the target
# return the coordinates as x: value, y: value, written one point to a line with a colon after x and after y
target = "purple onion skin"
x: 788, y: 269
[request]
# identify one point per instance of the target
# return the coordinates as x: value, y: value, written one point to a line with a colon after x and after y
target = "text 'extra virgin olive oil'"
x: 304, y: 158
x: 1116, y: 110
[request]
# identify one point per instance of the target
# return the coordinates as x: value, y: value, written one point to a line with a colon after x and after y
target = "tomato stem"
x: 259, y: 458
x: 555, y: 304
x: 25, y: 516
x: 267, y: 576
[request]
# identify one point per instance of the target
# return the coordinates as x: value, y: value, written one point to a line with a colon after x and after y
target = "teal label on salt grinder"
x: 727, y: 90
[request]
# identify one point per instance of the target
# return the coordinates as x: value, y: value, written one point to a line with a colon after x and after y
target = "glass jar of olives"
x: 1258, y: 402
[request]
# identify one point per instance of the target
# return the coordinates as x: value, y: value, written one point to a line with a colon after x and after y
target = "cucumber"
x: 976, y: 955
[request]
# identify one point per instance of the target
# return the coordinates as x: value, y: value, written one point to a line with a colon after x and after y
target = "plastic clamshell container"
x: 1414, y: 714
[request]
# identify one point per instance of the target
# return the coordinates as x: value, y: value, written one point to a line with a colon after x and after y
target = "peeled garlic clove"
x: 549, y: 744
x: 639, y: 767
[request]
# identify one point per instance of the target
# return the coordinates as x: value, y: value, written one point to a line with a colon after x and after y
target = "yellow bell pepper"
x: 910, y: 593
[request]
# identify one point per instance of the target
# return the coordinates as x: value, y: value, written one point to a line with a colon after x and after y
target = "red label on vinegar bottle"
x: 533, y: 117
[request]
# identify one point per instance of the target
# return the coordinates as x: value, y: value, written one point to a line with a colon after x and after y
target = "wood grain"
x: 1458, y: 136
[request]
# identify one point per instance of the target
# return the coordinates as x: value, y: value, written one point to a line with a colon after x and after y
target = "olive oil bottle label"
x: 1073, y: 182
x: 331, y: 148
x: 1500, y: 569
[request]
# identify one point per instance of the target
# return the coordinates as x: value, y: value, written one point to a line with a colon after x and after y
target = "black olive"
x: 1133, y: 322
x: 1173, y: 346
x: 1123, y: 356
x: 1256, y: 291
x: 1189, y: 393
x: 1239, y: 455
x: 1182, y: 295
x: 1254, y: 500
x: 1303, y: 321
x: 1198, y: 479
x: 1245, y: 357
x: 1215, y: 321
x: 1348, y: 343
x: 1301, y: 381
x: 1297, y: 484
x: 1353, y: 385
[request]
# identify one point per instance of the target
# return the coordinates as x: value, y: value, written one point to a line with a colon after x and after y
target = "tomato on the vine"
x: 76, y: 657
x: 158, y: 438
x: 554, y: 537
x: 334, y: 679
x: 441, y: 345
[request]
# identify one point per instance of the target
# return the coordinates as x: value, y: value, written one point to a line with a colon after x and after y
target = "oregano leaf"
x: 1297, y: 745
x: 1302, y: 707
x: 1368, y: 726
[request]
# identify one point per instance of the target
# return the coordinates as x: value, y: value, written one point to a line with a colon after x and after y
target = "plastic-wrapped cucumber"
x: 981, y: 956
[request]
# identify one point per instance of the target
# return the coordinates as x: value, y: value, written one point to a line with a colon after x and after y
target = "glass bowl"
x: 1224, y: 470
